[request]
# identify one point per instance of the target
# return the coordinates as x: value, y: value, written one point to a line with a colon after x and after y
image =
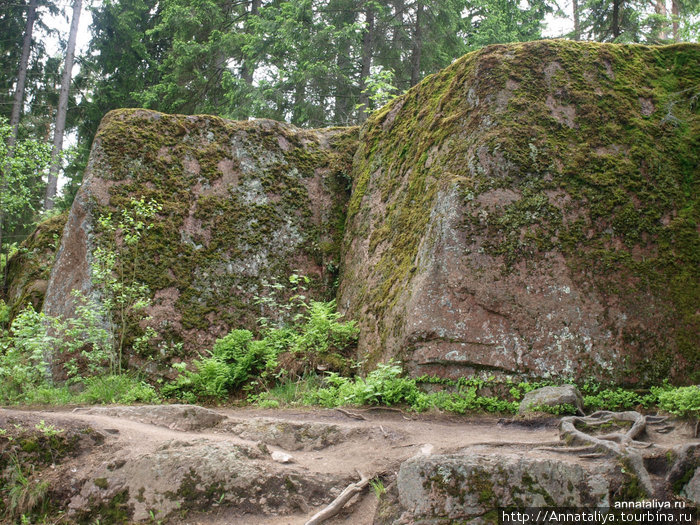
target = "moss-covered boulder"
x: 533, y: 209
x: 243, y: 204
x: 29, y: 268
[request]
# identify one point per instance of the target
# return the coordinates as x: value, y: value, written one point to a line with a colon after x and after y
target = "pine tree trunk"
x: 17, y: 104
x: 248, y: 69
x: 52, y: 186
x: 660, y: 9
x: 417, y: 45
x: 342, y: 109
x: 616, y: 18
x: 366, y: 67
x: 577, y: 22
x: 675, y: 13
x: 22, y: 75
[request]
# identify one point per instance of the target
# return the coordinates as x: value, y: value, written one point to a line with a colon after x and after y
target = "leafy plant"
x: 116, y: 260
x: 23, y: 364
x: 48, y: 430
x: 564, y: 409
x: 122, y: 389
x: 377, y: 487
x: 314, y: 336
x: 682, y: 401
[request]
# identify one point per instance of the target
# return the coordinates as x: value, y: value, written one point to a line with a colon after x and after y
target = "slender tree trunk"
x: 367, y: 45
x: 52, y: 186
x: 616, y: 18
x: 397, y: 37
x: 417, y: 45
x: 298, y: 115
x: 675, y: 13
x: 248, y: 69
x: 22, y: 75
x: 577, y: 22
x: 660, y: 9
x: 342, y: 108
x: 17, y: 104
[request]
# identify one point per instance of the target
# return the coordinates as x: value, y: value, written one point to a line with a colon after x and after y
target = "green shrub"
x: 122, y: 389
x: 230, y: 347
x: 613, y: 399
x: 240, y: 361
x: 683, y: 401
x: 23, y: 365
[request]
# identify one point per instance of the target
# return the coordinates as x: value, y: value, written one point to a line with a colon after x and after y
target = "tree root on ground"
x: 338, y: 503
x: 622, y: 445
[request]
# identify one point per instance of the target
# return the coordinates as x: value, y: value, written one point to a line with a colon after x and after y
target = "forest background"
x: 313, y: 63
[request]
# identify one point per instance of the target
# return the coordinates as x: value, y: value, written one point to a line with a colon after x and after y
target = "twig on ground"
x: 338, y: 503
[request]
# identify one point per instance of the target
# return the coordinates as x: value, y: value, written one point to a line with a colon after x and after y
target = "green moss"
x: 481, y: 483
x: 101, y: 483
x: 684, y: 479
x: 115, y: 510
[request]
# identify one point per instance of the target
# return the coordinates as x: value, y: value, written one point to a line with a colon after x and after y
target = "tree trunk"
x: 365, y: 70
x: 577, y: 22
x: 52, y: 186
x: 660, y: 9
x: 417, y: 45
x: 616, y: 18
x: 17, y: 104
x: 342, y: 109
x: 298, y: 111
x: 675, y: 13
x: 22, y: 75
x: 248, y: 69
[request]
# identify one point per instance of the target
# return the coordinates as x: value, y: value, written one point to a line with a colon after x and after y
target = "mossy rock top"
x: 244, y: 204
x: 29, y: 268
x: 533, y: 210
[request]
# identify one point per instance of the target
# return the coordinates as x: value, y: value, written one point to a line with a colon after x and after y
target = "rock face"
x: 533, y: 209
x: 244, y: 204
x: 552, y: 396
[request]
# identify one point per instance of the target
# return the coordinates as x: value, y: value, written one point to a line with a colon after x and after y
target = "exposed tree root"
x: 338, y: 503
x: 623, y: 445
x: 352, y: 415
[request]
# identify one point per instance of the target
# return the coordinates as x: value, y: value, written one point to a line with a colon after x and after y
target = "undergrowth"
x: 304, y: 359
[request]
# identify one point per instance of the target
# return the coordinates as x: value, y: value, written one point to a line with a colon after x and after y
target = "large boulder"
x: 244, y: 204
x: 533, y: 209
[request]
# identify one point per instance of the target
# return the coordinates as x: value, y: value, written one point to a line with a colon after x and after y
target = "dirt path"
x: 331, y: 443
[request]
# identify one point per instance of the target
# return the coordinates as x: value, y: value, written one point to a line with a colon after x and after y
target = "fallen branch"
x: 338, y: 503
